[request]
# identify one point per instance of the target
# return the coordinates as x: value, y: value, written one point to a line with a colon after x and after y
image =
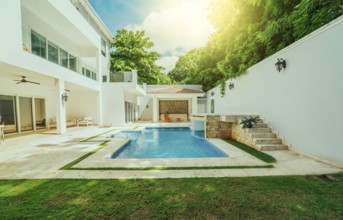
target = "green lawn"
x: 294, y: 197
x: 258, y: 154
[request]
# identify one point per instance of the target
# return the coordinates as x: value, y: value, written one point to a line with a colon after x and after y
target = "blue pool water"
x: 166, y: 143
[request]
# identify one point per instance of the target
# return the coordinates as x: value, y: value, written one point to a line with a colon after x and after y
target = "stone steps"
x: 259, y: 130
x: 260, y: 125
x: 270, y: 147
x: 263, y: 135
x: 264, y: 139
x: 267, y: 140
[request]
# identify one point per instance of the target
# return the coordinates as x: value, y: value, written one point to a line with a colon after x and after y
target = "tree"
x: 248, y: 31
x: 131, y: 51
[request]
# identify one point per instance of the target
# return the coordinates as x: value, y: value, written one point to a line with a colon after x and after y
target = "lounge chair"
x: 167, y: 118
x: 85, y: 121
x: 2, y: 132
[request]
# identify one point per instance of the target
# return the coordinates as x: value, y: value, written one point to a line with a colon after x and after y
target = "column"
x: 99, y: 65
x: 99, y: 103
x: 194, y: 105
x: 61, y: 125
x: 155, y: 109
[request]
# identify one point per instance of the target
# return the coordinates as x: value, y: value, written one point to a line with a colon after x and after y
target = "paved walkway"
x: 39, y: 156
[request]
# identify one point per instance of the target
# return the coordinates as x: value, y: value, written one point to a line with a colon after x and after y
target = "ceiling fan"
x: 24, y: 80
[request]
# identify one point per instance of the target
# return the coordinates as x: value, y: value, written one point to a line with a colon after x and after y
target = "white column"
x: 60, y: 108
x: 99, y: 103
x: 154, y: 109
x: 99, y: 65
x: 99, y: 79
x: 18, y: 113
x: 194, y: 105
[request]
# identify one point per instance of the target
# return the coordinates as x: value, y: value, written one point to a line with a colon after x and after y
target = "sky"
x: 175, y: 26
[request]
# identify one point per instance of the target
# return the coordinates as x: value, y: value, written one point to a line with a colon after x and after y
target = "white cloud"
x: 177, y: 29
x: 167, y: 62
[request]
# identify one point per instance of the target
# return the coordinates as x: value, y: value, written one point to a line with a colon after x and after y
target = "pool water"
x: 166, y: 143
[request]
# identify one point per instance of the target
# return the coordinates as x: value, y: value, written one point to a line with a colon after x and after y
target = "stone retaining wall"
x: 241, y: 135
x: 216, y: 128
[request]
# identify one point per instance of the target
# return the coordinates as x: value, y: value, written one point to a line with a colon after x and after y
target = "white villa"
x: 54, y: 70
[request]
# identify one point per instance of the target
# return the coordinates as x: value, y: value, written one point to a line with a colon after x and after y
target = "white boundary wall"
x: 303, y: 102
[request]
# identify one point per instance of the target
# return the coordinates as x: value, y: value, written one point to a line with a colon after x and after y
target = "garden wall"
x: 303, y: 101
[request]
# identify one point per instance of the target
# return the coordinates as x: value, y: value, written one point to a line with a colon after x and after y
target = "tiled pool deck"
x: 42, y: 155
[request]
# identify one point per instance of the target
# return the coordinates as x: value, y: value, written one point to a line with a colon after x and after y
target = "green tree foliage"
x: 132, y: 51
x: 248, y: 31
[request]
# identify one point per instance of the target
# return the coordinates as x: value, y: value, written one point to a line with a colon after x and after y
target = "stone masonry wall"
x: 173, y: 107
x: 217, y: 129
x: 241, y: 135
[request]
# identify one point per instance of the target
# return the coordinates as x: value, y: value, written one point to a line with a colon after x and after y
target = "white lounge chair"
x: 85, y: 121
x: 2, y: 132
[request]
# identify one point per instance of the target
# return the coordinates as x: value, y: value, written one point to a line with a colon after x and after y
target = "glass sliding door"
x: 8, y: 113
x: 40, y: 113
x: 25, y: 111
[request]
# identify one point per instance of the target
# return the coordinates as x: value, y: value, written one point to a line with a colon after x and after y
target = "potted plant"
x: 248, y: 122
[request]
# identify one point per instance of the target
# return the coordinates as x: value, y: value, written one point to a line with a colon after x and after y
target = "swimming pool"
x: 166, y: 143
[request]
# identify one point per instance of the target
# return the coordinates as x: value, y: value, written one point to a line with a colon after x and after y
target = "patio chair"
x: 167, y: 118
x: 2, y: 132
x: 85, y: 121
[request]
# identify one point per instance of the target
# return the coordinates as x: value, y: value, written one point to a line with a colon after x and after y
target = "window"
x: 104, y: 78
x: 63, y: 58
x: 94, y: 75
x: 52, y: 52
x: 38, y: 44
x: 103, y: 47
x: 72, y: 62
x: 48, y: 50
x: 88, y: 73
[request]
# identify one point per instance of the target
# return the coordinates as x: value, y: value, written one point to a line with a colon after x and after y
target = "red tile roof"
x: 174, y: 90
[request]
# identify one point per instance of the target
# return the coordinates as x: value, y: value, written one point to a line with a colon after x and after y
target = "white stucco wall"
x: 82, y: 104
x: 114, y: 96
x: 302, y: 102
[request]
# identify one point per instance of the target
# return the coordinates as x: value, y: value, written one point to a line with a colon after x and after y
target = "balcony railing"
x: 120, y: 77
x: 83, y: 11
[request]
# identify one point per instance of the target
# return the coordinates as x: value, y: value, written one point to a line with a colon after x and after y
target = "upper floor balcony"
x: 43, y: 47
x: 60, y: 18
x: 129, y: 80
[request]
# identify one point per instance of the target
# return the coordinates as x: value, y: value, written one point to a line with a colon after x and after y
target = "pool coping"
x: 102, y: 159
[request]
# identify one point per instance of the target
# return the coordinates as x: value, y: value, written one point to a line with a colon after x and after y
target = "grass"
x: 78, y: 160
x: 289, y: 197
x: 258, y: 154
x: 95, y: 136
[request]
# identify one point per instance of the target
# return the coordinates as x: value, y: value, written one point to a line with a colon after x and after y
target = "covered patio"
x: 171, y: 104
